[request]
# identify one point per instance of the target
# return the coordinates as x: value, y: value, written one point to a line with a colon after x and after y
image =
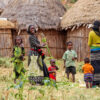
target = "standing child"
x: 18, y: 57
x: 88, y: 73
x: 52, y: 70
x: 69, y: 58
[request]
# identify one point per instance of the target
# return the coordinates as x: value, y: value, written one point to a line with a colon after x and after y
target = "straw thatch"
x: 83, y: 12
x: 6, y: 24
x: 5, y: 1
x: 2, y: 6
x: 44, y: 14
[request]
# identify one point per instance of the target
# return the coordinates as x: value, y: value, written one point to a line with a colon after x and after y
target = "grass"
x: 66, y: 89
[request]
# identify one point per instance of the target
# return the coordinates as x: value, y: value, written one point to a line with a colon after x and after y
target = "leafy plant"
x: 73, y: 1
x: 5, y: 62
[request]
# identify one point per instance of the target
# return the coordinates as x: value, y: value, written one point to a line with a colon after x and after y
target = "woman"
x: 36, y: 53
x: 94, y: 43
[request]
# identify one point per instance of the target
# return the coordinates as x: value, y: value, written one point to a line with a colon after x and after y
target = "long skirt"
x: 34, y: 68
x: 95, y: 62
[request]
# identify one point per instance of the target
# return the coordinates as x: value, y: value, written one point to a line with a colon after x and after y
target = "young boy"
x: 88, y: 73
x: 52, y: 70
x: 69, y: 58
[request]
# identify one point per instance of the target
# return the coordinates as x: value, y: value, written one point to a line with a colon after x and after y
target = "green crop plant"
x: 73, y: 1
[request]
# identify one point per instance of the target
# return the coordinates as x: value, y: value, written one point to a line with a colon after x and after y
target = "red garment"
x: 52, y: 72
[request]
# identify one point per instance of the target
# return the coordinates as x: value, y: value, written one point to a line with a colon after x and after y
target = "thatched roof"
x: 2, y: 6
x: 5, y: 1
x: 44, y: 14
x: 6, y: 24
x: 83, y: 12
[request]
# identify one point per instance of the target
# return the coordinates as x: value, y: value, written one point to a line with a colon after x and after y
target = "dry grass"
x: 66, y: 90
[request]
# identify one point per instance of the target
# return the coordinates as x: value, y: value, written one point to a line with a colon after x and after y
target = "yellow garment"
x: 88, y: 68
x: 93, y: 39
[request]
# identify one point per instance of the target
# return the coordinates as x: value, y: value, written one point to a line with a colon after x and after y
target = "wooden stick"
x: 19, y: 32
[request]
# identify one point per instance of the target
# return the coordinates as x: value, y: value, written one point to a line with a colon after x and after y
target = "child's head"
x: 52, y: 62
x: 69, y: 45
x: 18, y: 40
x: 86, y: 60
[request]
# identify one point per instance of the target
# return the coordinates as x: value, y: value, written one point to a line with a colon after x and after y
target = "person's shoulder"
x: 90, y: 65
x: 66, y: 51
x: 91, y: 32
x: 49, y: 68
x: 73, y: 51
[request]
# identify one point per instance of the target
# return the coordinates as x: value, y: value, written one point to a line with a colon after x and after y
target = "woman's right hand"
x: 43, y: 45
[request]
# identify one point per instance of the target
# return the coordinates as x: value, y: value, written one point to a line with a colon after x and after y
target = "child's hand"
x: 23, y: 58
x: 43, y: 44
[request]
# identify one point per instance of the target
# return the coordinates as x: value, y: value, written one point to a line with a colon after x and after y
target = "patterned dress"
x: 33, y: 56
x: 17, y: 59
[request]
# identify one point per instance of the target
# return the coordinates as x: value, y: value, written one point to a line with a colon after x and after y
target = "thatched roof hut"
x: 5, y: 24
x: 77, y: 23
x: 83, y: 12
x: 6, y: 28
x: 43, y: 14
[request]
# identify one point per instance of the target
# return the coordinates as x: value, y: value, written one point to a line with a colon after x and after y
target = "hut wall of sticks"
x: 78, y: 22
x: 45, y: 15
x: 6, y: 28
x: 55, y: 40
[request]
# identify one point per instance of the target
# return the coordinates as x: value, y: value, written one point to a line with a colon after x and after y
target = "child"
x: 18, y: 57
x: 88, y: 73
x: 69, y: 58
x: 52, y: 70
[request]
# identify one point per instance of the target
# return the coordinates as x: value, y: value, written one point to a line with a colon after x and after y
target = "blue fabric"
x: 95, y: 49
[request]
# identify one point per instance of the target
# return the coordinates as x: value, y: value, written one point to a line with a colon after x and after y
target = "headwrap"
x: 96, y: 26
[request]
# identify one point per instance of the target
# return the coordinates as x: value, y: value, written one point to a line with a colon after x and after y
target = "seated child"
x: 88, y: 73
x: 52, y: 70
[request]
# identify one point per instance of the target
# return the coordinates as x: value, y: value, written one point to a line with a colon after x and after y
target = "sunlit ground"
x: 66, y: 90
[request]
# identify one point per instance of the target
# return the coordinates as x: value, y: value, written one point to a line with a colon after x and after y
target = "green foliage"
x: 50, y: 82
x: 79, y: 67
x: 73, y: 1
x: 5, y: 62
